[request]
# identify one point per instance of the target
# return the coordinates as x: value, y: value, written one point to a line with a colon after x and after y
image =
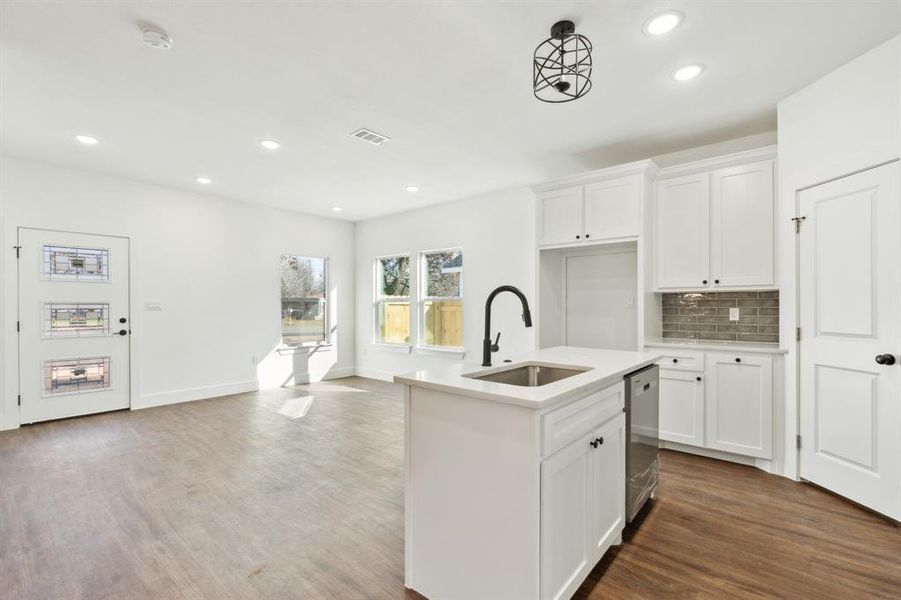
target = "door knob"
x: 123, y: 332
x: 886, y: 359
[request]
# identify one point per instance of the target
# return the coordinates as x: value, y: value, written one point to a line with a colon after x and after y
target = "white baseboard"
x: 374, y: 374
x: 198, y: 393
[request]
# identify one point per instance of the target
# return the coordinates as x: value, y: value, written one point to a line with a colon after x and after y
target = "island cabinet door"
x: 607, y: 494
x: 565, y: 519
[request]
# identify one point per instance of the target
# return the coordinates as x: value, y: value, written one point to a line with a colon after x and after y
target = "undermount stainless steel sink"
x: 529, y: 375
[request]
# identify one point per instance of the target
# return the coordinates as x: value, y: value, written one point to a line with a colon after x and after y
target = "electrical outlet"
x: 153, y: 305
x: 733, y: 313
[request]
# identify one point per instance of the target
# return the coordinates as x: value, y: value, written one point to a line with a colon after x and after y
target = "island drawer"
x: 568, y: 423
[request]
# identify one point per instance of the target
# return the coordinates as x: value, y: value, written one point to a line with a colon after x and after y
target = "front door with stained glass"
x: 74, y: 324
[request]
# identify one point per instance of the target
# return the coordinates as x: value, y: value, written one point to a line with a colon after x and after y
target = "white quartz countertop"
x: 605, y: 367
x: 716, y: 345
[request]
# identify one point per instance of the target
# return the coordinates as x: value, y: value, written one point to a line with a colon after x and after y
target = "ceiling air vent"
x: 368, y: 135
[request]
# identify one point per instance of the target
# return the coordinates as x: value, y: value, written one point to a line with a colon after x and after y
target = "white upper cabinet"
x: 681, y: 208
x: 741, y: 226
x: 715, y: 229
x: 613, y: 208
x: 560, y: 216
x: 740, y: 403
x: 593, y: 207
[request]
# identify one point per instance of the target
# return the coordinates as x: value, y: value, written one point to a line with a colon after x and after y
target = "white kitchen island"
x: 514, y: 491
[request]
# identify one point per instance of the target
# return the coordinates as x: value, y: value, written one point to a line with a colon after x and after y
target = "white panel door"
x: 742, y: 250
x: 739, y: 398
x: 682, y: 223
x: 850, y: 299
x: 607, y: 499
x: 612, y: 208
x: 682, y: 407
x: 560, y: 216
x: 74, y: 324
x: 565, y: 519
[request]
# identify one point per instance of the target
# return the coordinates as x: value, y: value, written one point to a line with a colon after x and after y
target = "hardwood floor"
x: 298, y: 493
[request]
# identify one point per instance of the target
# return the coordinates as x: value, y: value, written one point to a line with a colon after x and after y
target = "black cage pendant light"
x: 561, y: 67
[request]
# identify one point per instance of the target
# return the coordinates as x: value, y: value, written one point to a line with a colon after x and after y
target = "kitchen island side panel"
x: 473, y: 497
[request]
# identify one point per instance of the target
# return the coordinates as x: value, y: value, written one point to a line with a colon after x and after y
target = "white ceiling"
x: 450, y: 82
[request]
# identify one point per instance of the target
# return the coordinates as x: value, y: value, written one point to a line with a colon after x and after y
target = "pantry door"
x: 850, y: 317
x: 74, y: 325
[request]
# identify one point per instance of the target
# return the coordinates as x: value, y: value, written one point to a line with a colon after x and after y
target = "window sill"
x: 285, y: 350
x: 399, y: 348
x: 454, y: 353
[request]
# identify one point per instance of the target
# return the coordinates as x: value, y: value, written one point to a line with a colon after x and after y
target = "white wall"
x: 497, y: 234
x: 847, y: 121
x: 211, y: 262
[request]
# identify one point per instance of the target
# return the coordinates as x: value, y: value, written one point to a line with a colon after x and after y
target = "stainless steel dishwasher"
x: 642, y: 420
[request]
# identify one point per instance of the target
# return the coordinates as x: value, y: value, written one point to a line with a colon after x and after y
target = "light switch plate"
x: 733, y: 313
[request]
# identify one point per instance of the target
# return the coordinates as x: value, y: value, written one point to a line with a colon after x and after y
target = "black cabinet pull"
x: 737, y: 359
x: 123, y: 320
x: 675, y: 360
x: 123, y: 332
x: 594, y: 444
x: 698, y: 378
x: 716, y: 281
x: 704, y: 282
x: 578, y: 237
x: 587, y: 236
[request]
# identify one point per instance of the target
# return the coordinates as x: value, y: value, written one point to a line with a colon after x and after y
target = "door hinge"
x: 17, y: 248
x: 798, y: 441
x: 20, y: 399
x: 797, y: 221
x: 798, y: 334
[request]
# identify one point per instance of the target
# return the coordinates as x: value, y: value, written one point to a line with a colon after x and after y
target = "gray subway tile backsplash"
x: 705, y: 316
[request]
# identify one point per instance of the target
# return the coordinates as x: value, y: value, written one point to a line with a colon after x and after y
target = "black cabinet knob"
x: 600, y: 440
x: 704, y: 282
x: 885, y: 359
x: 737, y: 359
x: 716, y: 281
x: 123, y: 332
x: 122, y: 319
x: 675, y: 360
x: 587, y: 236
x: 698, y: 378
x: 578, y: 237
x: 594, y: 444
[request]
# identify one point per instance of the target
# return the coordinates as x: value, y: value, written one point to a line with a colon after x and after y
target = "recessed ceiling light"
x: 203, y: 180
x: 336, y: 208
x: 662, y: 23
x: 270, y: 144
x: 687, y: 72
x: 412, y: 189
x: 86, y: 139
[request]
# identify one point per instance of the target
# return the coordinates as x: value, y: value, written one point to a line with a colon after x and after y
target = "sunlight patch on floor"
x: 296, y: 408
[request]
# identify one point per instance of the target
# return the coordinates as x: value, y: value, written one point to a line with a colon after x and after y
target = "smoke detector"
x: 157, y: 38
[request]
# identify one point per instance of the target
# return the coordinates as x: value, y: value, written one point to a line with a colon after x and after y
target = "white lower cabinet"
x: 740, y: 403
x: 582, y: 507
x: 727, y: 406
x: 682, y: 406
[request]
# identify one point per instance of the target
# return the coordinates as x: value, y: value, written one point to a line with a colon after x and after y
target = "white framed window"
x: 441, y: 299
x: 391, y: 304
x: 304, y: 300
